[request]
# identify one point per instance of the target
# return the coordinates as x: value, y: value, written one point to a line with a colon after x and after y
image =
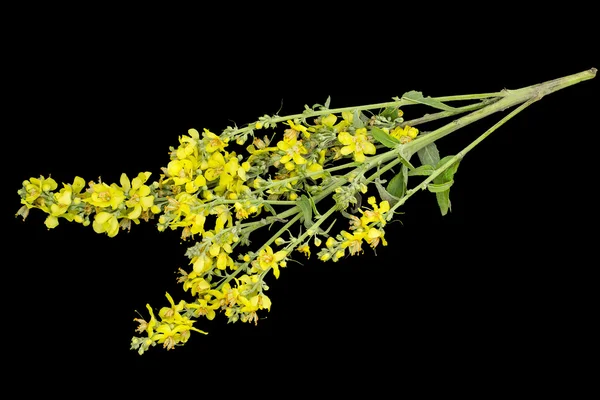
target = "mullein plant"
x: 284, y: 168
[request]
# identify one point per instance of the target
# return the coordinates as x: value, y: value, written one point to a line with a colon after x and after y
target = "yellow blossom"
x: 267, y: 259
x: 34, y: 187
x: 225, y: 298
x: 353, y: 241
x: 105, y: 222
x: 139, y: 194
x: 357, y: 144
x: 347, y: 119
x: 213, y: 142
x: 169, y: 314
x: 180, y: 171
x: 305, y: 248
x: 378, y: 212
x: 298, y: 128
x: 63, y: 200
x: 313, y: 167
x: 188, y: 145
x: 405, y: 134
x: 293, y: 152
x: 196, y: 283
x: 374, y: 236
x: 202, y: 263
x: 103, y: 195
x: 216, y: 166
x: 202, y: 308
x: 193, y: 186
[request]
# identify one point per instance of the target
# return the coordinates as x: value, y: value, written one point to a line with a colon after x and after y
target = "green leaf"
x: 384, y: 194
x: 429, y: 155
x: 448, y: 174
x: 397, y: 186
x: 443, y: 200
x: 357, y: 121
x: 384, y: 138
x: 406, y: 163
x: 314, y: 207
x: 306, y: 208
x: 440, y: 187
x: 269, y: 208
x: 445, y: 179
x: 423, y: 170
x: 417, y: 97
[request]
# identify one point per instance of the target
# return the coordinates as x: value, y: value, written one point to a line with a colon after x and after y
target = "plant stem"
x: 395, y: 103
x: 510, y: 99
x: 443, y: 114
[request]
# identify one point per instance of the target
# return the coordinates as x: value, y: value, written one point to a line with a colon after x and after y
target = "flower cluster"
x: 217, y: 198
x: 112, y: 207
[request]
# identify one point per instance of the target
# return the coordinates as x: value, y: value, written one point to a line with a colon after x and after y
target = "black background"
x: 501, y: 280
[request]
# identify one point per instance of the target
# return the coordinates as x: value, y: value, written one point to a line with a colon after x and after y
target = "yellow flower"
x: 216, y: 166
x: 105, y: 222
x: 105, y: 196
x: 201, y: 263
x: 353, y: 241
x: 63, y: 200
x: 226, y: 297
x: 147, y: 327
x: 224, y: 217
x: 347, y: 119
x: 173, y: 328
x: 267, y: 259
x: 171, y: 335
x: 33, y: 188
x: 220, y: 251
x: 405, y: 134
x: 196, y: 283
x: 305, y: 248
x: 195, y: 185
x: 378, y: 212
x: 213, y: 142
x: 243, y: 211
x: 234, y: 168
x: 329, y: 120
x: 188, y: 145
x: 180, y: 171
x: 293, y: 151
x: 313, y: 167
x: 374, y: 236
x: 139, y: 194
x: 358, y: 144
x: 202, y: 308
x: 257, y: 302
x: 169, y: 314
x: 298, y: 128
x: 51, y: 222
